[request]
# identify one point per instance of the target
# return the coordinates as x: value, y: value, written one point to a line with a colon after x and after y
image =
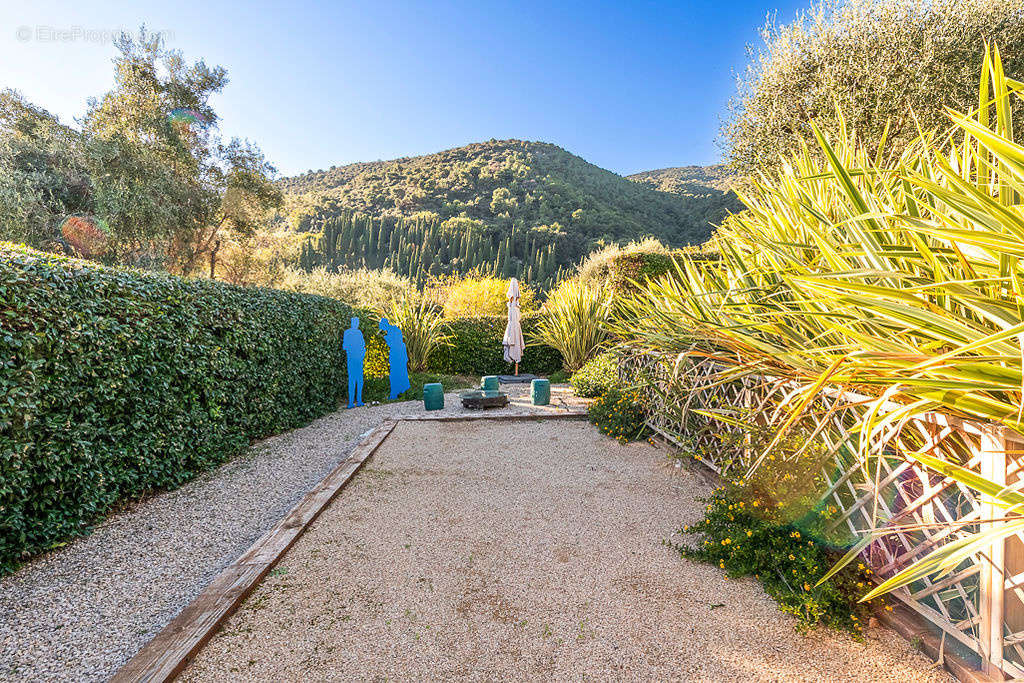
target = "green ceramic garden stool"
x: 433, y: 396
x: 540, y: 392
x: 490, y: 383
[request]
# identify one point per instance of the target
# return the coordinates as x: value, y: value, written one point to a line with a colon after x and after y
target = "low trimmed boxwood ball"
x: 597, y: 375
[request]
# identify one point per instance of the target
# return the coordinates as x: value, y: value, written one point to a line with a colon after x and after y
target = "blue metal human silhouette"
x: 398, y: 358
x: 355, y: 352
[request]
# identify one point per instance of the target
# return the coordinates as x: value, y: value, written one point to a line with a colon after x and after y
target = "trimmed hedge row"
x: 115, y: 382
x: 476, y: 349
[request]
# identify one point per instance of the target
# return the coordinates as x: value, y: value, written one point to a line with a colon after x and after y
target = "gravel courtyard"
x: 531, y: 550
x: 80, y: 612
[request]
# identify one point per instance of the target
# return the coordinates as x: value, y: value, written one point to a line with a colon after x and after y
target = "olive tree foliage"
x: 889, y: 66
x: 165, y: 185
x: 50, y: 171
x: 43, y: 172
x: 228, y: 183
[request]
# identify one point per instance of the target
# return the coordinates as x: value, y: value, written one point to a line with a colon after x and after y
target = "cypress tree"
x: 381, y: 243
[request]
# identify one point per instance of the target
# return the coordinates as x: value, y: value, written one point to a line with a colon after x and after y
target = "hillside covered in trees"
x: 508, y: 207
x: 687, y: 181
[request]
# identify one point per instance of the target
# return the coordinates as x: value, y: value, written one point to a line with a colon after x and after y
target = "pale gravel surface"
x: 79, y: 613
x: 509, y: 551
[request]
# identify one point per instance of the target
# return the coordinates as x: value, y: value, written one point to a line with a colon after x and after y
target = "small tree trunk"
x: 213, y: 260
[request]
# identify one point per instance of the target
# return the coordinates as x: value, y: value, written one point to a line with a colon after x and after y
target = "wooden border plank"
x: 486, y: 415
x: 167, y: 654
x: 911, y: 627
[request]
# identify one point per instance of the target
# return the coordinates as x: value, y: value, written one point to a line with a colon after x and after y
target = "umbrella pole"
x: 517, y: 369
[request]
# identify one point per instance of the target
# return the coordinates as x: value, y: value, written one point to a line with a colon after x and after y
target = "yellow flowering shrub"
x: 469, y: 297
x: 787, y: 556
x: 376, y: 364
x: 619, y: 414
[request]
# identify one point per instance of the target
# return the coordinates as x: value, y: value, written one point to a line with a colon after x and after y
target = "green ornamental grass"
x: 573, y: 321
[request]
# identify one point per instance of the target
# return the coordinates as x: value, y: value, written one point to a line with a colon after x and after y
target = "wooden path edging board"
x: 167, y: 654
x: 498, y: 417
x: 911, y: 626
x: 170, y: 650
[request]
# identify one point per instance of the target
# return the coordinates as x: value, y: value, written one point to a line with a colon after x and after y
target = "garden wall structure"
x: 872, y: 485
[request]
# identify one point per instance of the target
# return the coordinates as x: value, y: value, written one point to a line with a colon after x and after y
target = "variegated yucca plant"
x: 896, y: 275
x: 573, y: 320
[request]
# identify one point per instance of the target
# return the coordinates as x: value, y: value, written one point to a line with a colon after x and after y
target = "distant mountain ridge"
x: 532, y: 195
x: 686, y: 180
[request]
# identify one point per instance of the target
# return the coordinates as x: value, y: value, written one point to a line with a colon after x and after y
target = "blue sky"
x: 628, y: 86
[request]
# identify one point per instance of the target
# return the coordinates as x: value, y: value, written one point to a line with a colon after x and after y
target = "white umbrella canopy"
x: 513, y: 339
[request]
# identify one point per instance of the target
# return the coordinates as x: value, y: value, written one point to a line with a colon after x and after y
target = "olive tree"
x: 882, y: 63
x: 159, y: 109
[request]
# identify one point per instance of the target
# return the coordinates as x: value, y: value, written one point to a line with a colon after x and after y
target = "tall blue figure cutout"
x: 355, y: 351
x: 398, y: 358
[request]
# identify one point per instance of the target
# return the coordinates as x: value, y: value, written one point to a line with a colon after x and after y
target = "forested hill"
x: 498, y: 183
x: 687, y: 181
x: 506, y: 199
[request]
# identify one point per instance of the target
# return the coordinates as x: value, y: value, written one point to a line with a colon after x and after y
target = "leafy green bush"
x: 619, y: 414
x: 774, y: 525
x: 748, y: 536
x: 608, y: 268
x: 635, y: 268
x: 596, y: 376
x: 116, y: 382
x: 475, y: 349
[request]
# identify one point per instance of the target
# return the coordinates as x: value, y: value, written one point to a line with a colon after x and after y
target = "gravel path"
x: 500, y: 551
x: 79, y: 613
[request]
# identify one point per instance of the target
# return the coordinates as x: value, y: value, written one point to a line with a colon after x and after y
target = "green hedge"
x: 115, y: 382
x: 476, y: 349
x: 637, y: 267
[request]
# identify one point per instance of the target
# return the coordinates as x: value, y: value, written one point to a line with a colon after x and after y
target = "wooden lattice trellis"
x: 703, y: 410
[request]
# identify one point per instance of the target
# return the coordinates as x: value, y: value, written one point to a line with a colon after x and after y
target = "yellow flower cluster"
x: 621, y: 421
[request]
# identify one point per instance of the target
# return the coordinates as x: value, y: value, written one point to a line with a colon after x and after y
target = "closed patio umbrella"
x: 513, y: 339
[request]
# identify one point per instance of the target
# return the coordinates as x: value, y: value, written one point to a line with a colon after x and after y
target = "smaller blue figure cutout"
x: 355, y: 351
x: 398, y: 358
